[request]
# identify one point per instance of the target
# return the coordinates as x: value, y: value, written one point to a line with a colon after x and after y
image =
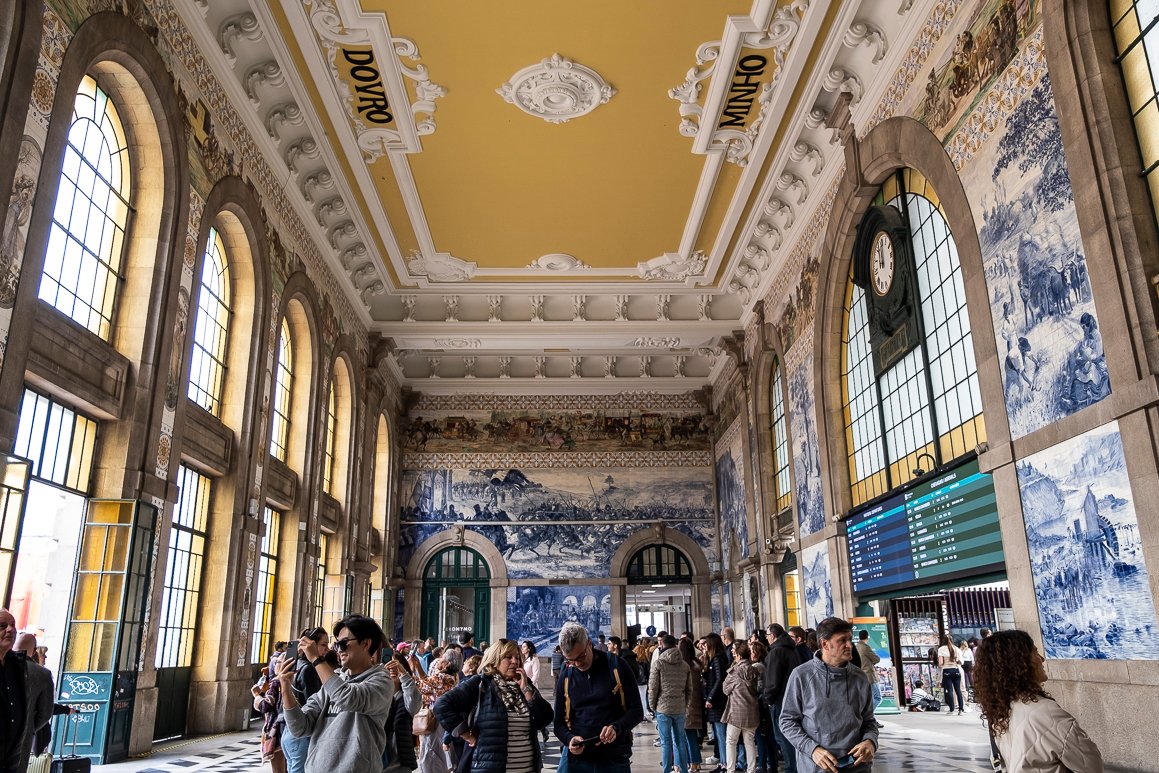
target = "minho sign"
x: 359, y: 67
x: 747, y: 79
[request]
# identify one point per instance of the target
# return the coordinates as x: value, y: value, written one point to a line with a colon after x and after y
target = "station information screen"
x: 943, y: 529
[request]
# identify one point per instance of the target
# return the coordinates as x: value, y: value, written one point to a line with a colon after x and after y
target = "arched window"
x: 82, y: 265
x: 283, y: 390
x: 659, y: 563
x: 454, y: 564
x: 211, y: 330
x: 781, y: 489
x: 266, y: 587
x: 320, y: 577
x: 328, y: 451
x: 1136, y: 27
x: 926, y: 409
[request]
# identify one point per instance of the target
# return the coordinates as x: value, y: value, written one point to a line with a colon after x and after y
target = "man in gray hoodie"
x: 827, y: 713
x: 346, y: 719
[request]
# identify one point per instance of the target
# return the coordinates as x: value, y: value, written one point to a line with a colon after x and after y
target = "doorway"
x: 456, y: 596
x: 659, y: 592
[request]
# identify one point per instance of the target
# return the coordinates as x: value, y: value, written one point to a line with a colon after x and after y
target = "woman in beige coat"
x: 1032, y: 731
x: 743, y: 713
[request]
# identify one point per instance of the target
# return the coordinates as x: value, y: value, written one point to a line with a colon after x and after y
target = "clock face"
x: 882, y: 264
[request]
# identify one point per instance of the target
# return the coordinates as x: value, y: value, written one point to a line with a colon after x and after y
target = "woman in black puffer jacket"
x: 715, y: 666
x: 510, y: 714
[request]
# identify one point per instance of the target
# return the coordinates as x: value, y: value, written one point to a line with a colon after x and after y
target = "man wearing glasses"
x: 596, y: 707
x: 346, y: 719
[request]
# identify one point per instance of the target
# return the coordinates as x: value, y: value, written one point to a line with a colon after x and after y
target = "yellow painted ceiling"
x: 502, y: 188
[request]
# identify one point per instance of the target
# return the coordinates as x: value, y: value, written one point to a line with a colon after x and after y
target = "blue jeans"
x: 672, y: 739
x: 788, y: 753
x: 876, y: 695
x: 294, y: 750
x: 569, y: 764
x: 719, y: 734
x: 692, y: 740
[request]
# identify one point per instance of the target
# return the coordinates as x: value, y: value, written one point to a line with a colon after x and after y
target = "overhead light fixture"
x: 647, y: 591
x: 661, y: 585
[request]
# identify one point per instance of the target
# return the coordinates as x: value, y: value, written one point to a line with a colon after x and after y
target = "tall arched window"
x: 266, y: 587
x: 328, y: 451
x: 211, y: 329
x: 82, y: 265
x: 926, y: 409
x: 283, y: 389
x: 782, y: 489
x: 1137, y: 37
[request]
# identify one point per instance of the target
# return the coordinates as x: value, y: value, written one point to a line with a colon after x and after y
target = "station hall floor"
x: 910, y: 743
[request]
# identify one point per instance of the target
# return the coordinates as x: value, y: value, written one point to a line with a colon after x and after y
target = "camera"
x: 314, y: 634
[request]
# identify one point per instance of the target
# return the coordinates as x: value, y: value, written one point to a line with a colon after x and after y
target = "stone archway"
x: 456, y: 536
x: 660, y: 534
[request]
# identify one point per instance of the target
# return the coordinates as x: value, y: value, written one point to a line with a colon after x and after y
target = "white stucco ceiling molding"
x: 339, y: 23
x: 557, y: 262
x: 673, y: 267
x: 557, y: 90
x: 440, y: 267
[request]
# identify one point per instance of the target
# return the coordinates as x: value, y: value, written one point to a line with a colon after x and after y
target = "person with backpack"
x: 596, y: 707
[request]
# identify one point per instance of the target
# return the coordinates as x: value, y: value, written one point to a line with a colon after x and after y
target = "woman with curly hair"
x: 1031, y: 730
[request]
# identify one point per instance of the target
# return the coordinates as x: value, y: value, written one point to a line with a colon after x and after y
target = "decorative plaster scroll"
x: 541, y: 367
x: 769, y: 233
x: 663, y: 307
x: 320, y: 179
x: 268, y: 72
x: 344, y: 230
x: 328, y: 23
x: 433, y: 366
x: 556, y: 90
x: 778, y: 208
x: 469, y: 367
x: 557, y: 262
x: 646, y: 366
x: 536, y: 308
x: 609, y: 366
x: 806, y: 151
x: 505, y: 367
x: 576, y: 362
x: 652, y: 342
x: 579, y: 308
x: 703, y: 303
x: 285, y: 113
x: 459, y: 343
x: 791, y: 183
x: 672, y: 267
x: 305, y: 148
x: 363, y: 273
x: 738, y: 287
x: 331, y: 207
x: 864, y: 33
x: 678, y: 366
x: 408, y: 308
x: 839, y: 79
x: 494, y: 308
x: 373, y: 290
x: 622, y: 308
x: 244, y: 25
x: 688, y: 92
x: 426, y: 91
x: 440, y: 267
x: 451, y: 307
x: 351, y: 254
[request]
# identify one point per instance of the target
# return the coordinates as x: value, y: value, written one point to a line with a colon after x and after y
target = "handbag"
x: 424, y: 722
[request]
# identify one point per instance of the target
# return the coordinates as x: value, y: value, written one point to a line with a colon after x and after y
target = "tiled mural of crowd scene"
x: 517, y: 430
x: 732, y: 499
x: 557, y: 522
x: 806, y: 454
x: 816, y: 583
x: 537, y: 612
x: 1090, y: 579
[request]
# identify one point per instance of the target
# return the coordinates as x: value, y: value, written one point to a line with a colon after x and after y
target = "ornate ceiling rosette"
x: 556, y: 90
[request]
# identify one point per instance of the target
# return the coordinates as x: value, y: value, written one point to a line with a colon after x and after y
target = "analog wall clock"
x: 883, y: 266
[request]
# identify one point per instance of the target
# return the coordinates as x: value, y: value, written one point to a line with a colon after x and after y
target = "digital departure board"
x: 940, y: 530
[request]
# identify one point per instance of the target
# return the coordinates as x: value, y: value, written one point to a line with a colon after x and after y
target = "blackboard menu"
x: 942, y: 529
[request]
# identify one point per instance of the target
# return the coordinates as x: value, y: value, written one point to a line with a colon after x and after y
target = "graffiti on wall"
x: 1086, y: 555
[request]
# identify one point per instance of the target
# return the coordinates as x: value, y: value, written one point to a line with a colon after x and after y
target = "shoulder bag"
x: 424, y: 722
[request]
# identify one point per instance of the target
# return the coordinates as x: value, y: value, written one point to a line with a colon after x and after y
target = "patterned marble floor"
x: 909, y: 743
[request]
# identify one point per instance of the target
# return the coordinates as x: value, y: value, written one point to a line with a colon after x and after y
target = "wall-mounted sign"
x: 750, y: 75
x: 358, y: 67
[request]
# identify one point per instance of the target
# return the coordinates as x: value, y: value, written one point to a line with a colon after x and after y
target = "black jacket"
x: 714, y: 688
x: 400, y: 735
x: 590, y: 701
x: 490, y: 753
x: 804, y: 653
x: 781, y: 660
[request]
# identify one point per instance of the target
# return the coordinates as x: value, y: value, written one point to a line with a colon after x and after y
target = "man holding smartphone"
x: 829, y: 699
x: 346, y: 719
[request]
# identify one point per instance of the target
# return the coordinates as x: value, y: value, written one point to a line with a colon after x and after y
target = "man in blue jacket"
x: 827, y: 710
x: 596, y: 707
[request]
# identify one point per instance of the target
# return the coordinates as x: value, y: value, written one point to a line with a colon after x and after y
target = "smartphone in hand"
x: 848, y: 761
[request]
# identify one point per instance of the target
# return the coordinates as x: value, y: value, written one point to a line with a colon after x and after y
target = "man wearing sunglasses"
x: 346, y: 719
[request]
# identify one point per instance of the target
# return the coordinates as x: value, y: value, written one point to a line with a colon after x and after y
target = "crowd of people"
x: 793, y: 698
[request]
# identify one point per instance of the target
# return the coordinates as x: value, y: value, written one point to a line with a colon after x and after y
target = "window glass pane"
x: 89, y: 216
x: 1137, y: 38
x: 58, y: 440
x: 182, y: 590
x: 283, y: 384
x: 267, y: 581
x: 780, y: 438
x: 211, y: 328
